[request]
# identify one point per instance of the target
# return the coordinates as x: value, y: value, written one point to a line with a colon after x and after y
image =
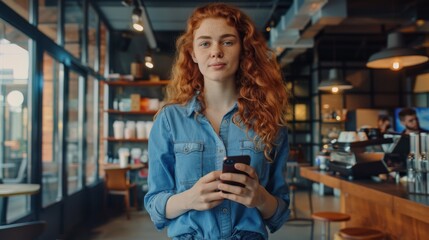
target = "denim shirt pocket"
x: 189, y: 158
x: 257, y: 157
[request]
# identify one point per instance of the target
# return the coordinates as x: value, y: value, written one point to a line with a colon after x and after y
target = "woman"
x: 226, y: 98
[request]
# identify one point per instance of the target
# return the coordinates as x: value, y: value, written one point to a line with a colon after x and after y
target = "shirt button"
x: 220, y: 150
x: 225, y: 210
x: 225, y: 121
x: 186, y: 149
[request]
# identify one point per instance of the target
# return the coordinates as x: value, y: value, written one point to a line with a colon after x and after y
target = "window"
x: 14, y: 68
x: 48, y: 18
x: 73, y: 28
x: 73, y: 158
x: 92, y: 37
x: 19, y: 6
x: 51, y: 152
x: 91, y: 137
x: 104, y: 34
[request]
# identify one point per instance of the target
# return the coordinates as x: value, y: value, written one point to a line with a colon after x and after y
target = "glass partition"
x: 73, y: 27
x: 73, y: 160
x: 14, y: 74
x: 19, y: 6
x: 92, y: 38
x: 100, y: 125
x: 90, y: 137
x: 103, y: 49
x: 51, y: 154
x: 48, y: 18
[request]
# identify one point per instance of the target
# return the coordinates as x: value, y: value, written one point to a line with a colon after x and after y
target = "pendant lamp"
x: 334, y: 83
x: 395, y: 56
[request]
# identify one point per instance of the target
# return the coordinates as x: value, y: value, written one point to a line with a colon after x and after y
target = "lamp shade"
x: 395, y: 56
x: 334, y: 83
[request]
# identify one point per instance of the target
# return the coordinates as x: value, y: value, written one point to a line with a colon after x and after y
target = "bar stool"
x: 360, y: 233
x: 294, y: 185
x: 328, y: 217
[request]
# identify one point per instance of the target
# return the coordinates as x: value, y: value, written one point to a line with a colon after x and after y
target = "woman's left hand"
x: 251, y: 195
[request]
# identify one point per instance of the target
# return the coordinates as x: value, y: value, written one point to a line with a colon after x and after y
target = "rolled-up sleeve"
x: 277, y: 185
x: 161, y: 171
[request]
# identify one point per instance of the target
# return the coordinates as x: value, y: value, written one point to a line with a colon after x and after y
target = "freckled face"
x: 216, y: 50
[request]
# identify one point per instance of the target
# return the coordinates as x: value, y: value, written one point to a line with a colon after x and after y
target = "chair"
x: 21, y: 175
x: 117, y: 183
x: 22, y: 231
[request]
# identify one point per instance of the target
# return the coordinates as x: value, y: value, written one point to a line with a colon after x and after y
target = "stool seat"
x: 331, y: 216
x: 328, y: 217
x: 361, y: 233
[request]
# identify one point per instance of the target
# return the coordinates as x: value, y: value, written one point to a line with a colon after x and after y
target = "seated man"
x: 383, y: 124
x: 410, y: 121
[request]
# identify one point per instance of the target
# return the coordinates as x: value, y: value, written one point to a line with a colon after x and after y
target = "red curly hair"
x: 262, y: 100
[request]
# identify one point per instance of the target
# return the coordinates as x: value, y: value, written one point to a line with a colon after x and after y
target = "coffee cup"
x: 148, y: 127
x: 141, y: 130
x: 118, y: 129
x: 124, y: 154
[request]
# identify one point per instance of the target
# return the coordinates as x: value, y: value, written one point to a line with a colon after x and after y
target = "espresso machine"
x: 360, y: 159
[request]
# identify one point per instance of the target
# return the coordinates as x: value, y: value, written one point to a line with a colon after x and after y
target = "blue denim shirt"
x: 183, y: 147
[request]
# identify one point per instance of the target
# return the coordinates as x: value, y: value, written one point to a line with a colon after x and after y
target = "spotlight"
x: 137, y: 19
x: 148, y: 61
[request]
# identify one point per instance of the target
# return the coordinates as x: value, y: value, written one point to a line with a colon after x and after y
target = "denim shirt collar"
x: 194, y: 106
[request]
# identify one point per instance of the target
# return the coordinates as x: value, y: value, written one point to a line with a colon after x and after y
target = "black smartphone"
x: 228, y: 166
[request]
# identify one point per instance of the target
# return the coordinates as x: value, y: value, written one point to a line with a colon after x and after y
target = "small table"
x: 7, y: 190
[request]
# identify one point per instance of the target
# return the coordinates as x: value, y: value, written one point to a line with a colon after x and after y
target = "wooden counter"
x: 382, y: 205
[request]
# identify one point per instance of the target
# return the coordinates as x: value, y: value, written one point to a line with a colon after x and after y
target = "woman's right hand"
x: 205, y: 193
x: 202, y: 196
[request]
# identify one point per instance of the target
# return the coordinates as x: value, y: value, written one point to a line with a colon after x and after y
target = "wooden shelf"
x: 333, y: 121
x: 136, y: 83
x: 112, y: 111
x: 112, y: 139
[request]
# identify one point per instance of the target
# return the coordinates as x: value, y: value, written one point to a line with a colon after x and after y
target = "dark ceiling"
x: 340, y: 29
x: 167, y: 18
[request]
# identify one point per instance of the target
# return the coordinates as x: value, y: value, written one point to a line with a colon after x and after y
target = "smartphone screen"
x: 228, y: 166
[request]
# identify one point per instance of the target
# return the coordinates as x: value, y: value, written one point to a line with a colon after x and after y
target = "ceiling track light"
x: 148, y: 61
x: 334, y: 83
x: 137, y: 18
x: 140, y: 21
x: 395, y: 56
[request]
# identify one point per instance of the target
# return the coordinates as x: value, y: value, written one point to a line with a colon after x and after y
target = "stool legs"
x: 327, y: 218
x: 326, y: 230
x: 292, y: 201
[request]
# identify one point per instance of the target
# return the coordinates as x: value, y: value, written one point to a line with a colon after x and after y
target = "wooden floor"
x: 140, y: 226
